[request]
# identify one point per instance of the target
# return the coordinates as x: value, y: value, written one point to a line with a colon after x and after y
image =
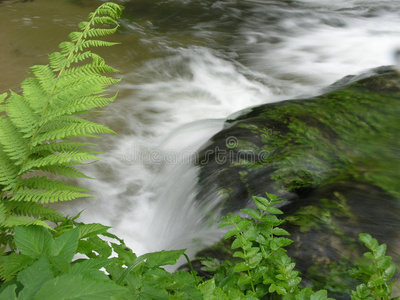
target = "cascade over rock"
x: 333, y: 159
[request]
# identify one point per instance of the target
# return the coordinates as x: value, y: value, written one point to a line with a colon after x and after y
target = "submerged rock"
x: 334, y: 159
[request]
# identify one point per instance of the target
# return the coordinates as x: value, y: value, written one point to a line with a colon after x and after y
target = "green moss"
x: 350, y: 133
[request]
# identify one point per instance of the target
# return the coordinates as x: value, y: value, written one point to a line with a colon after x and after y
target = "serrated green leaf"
x: 124, y: 253
x: 163, y: 258
x: 240, y: 267
x: 151, y: 291
x: 244, y: 279
x: 231, y: 232
x: 304, y: 294
x: 207, y: 288
x: 9, y: 293
x: 255, y: 260
x: 91, y: 230
x: 280, y: 290
x: 261, y: 202
x: 271, y: 220
x: 369, y: 241
x: 14, y: 263
x: 380, y: 252
x: 94, y: 263
x: 238, y: 254
x: 272, y: 197
x: 34, y: 277
x: 274, y: 210
x: 388, y: 273
x: 375, y: 280
x: 33, y: 240
x: 65, y: 245
x: 320, y: 295
x: 238, y: 243
x: 279, y: 231
x: 244, y: 224
x: 254, y: 213
x: 77, y: 287
x: 362, y: 291
x: 60, y: 264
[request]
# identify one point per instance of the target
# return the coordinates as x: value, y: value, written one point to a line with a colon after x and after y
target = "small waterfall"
x: 181, y: 83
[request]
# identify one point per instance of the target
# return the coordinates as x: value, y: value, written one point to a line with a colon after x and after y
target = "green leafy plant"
x: 264, y: 269
x: 46, y: 267
x: 43, y: 268
x: 37, y: 127
x: 376, y: 272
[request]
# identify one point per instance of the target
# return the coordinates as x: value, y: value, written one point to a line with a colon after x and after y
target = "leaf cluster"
x: 376, y: 272
x: 43, y: 268
x: 46, y: 265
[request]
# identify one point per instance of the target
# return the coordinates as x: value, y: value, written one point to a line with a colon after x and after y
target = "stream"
x: 187, y: 66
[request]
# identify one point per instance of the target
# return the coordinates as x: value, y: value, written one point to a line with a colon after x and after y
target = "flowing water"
x: 187, y: 66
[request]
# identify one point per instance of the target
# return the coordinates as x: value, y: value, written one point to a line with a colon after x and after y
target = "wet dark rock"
x: 333, y: 159
x: 292, y: 147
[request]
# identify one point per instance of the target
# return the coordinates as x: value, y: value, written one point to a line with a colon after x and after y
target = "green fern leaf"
x: 3, y: 97
x: 37, y: 211
x: 21, y: 113
x: 51, y: 196
x: 66, y: 158
x: 81, y: 129
x: 8, y: 172
x: 13, y: 221
x: 62, y: 146
x: 12, y: 141
x: 36, y: 127
x: 48, y: 184
x: 67, y: 171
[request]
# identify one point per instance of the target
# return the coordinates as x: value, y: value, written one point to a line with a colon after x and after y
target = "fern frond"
x: 3, y: 213
x: 13, y: 221
x: 94, y: 43
x: 3, y: 97
x: 36, y: 127
x: 12, y: 140
x: 8, y: 172
x: 96, y: 32
x: 45, y: 190
x: 88, y: 70
x: 43, y: 196
x: 83, y: 128
x: 79, y: 105
x: 48, y: 184
x: 67, y: 158
x: 66, y: 171
x: 62, y: 146
x: 21, y: 113
x: 37, y: 211
x: 108, y: 8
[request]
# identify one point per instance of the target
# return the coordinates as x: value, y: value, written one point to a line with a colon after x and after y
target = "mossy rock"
x: 334, y: 159
x: 292, y: 147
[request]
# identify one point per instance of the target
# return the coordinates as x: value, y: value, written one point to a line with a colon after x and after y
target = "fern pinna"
x: 37, y: 127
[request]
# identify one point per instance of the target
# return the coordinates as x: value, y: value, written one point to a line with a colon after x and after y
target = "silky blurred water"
x: 186, y: 67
